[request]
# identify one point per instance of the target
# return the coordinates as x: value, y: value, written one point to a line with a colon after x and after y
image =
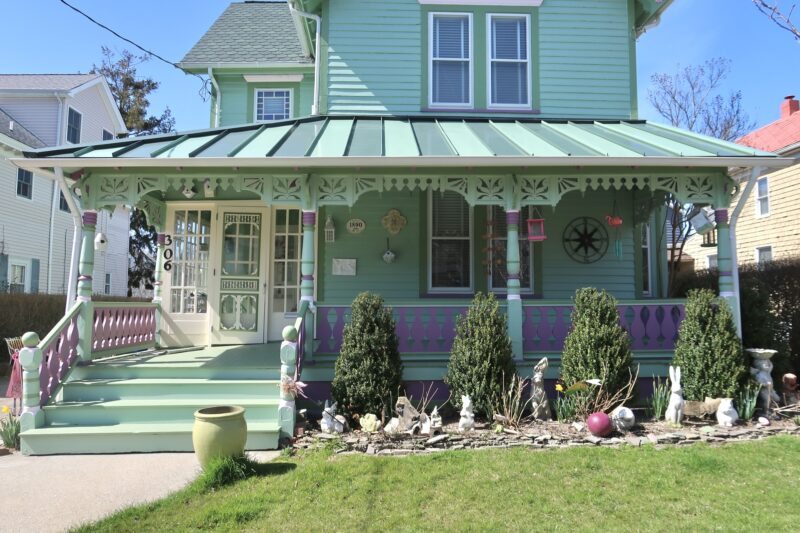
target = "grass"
x: 696, y: 488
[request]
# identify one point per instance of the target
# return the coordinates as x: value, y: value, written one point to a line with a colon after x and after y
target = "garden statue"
x: 331, y: 423
x: 790, y: 394
x: 674, y: 412
x: 467, y: 421
x: 623, y: 418
x: 726, y: 414
x: 370, y: 423
x: 423, y: 427
x: 762, y: 372
x: 392, y: 426
x: 436, y: 421
x: 407, y: 414
x: 540, y: 407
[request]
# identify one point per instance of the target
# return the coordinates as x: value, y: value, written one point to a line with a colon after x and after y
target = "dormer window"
x: 273, y: 104
x: 509, y: 60
x: 450, y: 66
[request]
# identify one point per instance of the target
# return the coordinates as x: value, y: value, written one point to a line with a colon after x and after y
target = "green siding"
x: 238, y: 96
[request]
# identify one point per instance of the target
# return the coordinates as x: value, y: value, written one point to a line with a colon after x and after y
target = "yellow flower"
x: 6, y: 409
x: 559, y: 387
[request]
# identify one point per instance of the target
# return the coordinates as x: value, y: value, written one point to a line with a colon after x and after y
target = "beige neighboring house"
x: 769, y: 225
x: 36, y: 227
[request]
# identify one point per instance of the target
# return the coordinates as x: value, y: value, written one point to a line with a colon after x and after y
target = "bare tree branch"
x: 781, y: 17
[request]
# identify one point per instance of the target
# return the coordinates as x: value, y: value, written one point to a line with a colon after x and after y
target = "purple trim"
x: 309, y: 218
x: 84, y: 277
x: 161, y: 238
x: 512, y: 217
x: 90, y: 218
x: 455, y: 296
x: 721, y: 216
x: 307, y: 277
x: 727, y: 273
x: 512, y: 276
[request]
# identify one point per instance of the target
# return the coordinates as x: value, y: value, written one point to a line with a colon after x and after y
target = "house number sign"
x: 356, y: 226
x: 167, y: 253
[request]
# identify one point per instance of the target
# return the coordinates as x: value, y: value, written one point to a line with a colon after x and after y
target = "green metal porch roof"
x: 378, y: 141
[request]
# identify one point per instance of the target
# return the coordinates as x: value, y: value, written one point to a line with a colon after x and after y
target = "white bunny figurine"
x: 726, y: 413
x: 329, y: 422
x: 540, y: 407
x: 467, y: 421
x: 675, y: 407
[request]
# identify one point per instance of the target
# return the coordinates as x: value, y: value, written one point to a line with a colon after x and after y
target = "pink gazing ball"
x: 599, y: 424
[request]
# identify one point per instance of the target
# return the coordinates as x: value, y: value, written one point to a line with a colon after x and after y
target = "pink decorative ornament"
x: 599, y: 424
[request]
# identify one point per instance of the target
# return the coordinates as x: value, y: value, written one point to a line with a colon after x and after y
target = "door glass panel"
x: 189, y: 262
x: 286, y: 260
x: 239, y: 284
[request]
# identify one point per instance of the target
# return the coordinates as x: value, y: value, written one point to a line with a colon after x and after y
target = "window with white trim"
x: 74, y: 120
x: 647, y: 289
x: 497, y: 247
x: 273, y: 104
x: 450, y: 66
x: 762, y: 197
x: 509, y: 60
x: 107, y: 284
x: 450, y: 223
x: 191, y: 241
x: 107, y: 135
x: 18, y: 279
x: 62, y: 202
x: 24, y: 183
x: 712, y: 261
x: 763, y: 254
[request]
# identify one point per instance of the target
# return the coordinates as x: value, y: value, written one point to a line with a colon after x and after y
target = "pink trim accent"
x: 57, y: 358
x: 122, y: 328
x: 90, y: 218
x: 512, y: 217
x: 161, y: 238
x: 309, y: 218
x: 721, y: 216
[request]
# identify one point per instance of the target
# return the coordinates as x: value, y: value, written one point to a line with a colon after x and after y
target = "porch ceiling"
x: 420, y: 142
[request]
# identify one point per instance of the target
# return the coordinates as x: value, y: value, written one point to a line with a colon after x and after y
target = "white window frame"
x: 16, y: 184
x: 524, y: 214
x: 759, y: 213
x: 110, y: 135
x: 708, y: 261
x: 80, y: 126
x: 63, y: 206
x: 647, y: 245
x: 451, y: 290
x: 27, y: 266
x: 274, y: 89
x: 107, y: 283
x: 445, y: 105
x: 527, y: 106
x: 764, y: 247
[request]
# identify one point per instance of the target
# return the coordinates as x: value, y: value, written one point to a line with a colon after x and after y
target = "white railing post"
x: 286, y: 407
x: 30, y: 357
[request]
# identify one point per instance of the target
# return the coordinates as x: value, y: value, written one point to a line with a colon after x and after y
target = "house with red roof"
x: 768, y: 226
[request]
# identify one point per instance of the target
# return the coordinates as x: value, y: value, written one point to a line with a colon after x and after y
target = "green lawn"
x: 743, y: 487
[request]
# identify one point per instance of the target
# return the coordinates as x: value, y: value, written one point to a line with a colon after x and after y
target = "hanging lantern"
x: 710, y: 239
x: 330, y: 230
x: 536, y: 227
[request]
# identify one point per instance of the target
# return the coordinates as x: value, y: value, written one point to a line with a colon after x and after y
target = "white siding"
x: 95, y: 117
x: 39, y: 114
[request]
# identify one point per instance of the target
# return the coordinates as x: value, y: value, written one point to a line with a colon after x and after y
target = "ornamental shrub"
x: 597, y: 347
x: 368, y: 371
x: 708, y: 350
x: 481, y: 361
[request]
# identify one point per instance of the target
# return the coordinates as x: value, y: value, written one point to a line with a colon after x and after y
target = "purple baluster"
x: 323, y: 329
x: 433, y: 329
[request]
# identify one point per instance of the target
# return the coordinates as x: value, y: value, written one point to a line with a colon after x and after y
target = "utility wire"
x: 203, y: 90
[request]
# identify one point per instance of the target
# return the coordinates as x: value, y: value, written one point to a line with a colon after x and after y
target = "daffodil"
x: 559, y: 387
x: 6, y: 409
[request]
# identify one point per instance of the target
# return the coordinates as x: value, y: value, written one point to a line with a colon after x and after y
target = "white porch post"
x: 85, y: 271
x: 514, y: 301
x: 158, y: 274
x: 307, y: 262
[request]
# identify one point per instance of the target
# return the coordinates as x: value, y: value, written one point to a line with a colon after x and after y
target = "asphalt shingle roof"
x: 11, y: 128
x: 250, y: 32
x: 49, y: 82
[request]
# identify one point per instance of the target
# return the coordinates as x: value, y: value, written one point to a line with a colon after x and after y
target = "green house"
x: 424, y: 150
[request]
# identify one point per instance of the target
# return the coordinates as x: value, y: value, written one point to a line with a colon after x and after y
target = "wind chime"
x: 615, y: 221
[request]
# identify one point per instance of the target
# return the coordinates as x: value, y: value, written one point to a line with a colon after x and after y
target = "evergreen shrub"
x: 597, y: 346
x: 481, y: 361
x: 368, y: 370
x: 708, y: 350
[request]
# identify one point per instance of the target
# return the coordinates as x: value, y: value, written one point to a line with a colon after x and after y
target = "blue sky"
x: 45, y: 36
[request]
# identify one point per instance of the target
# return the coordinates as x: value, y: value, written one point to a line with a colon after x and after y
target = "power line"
x: 204, y: 89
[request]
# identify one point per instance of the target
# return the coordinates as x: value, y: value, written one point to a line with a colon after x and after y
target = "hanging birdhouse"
x: 536, y: 230
x: 710, y: 239
x: 330, y: 230
x: 701, y: 222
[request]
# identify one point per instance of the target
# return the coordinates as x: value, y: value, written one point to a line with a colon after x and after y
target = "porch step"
x: 121, y: 370
x: 158, y: 410
x: 105, y: 389
x: 132, y: 437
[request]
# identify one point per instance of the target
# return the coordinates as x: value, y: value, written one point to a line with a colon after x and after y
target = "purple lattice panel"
x: 57, y: 358
x: 119, y: 328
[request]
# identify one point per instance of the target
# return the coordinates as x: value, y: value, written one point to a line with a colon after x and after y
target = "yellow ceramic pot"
x: 219, y: 432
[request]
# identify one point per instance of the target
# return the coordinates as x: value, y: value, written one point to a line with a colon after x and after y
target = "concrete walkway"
x: 58, y: 492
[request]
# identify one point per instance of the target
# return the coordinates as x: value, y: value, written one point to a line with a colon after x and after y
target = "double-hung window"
x: 498, y: 248
x: 450, y: 67
x: 24, y: 183
x: 763, y: 254
x: 762, y: 197
x: 509, y: 60
x: 450, y: 255
x: 74, y: 120
x: 273, y: 104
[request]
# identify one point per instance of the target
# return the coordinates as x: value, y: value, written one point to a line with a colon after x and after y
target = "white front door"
x: 284, y: 291
x: 241, y: 316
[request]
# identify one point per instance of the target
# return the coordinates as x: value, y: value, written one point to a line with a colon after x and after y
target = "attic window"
x: 273, y: 104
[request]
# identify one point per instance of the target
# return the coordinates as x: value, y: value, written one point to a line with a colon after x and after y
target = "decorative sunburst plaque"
x: 585, y: 240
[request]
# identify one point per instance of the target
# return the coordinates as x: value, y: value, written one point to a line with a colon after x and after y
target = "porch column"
x: 726, y: 266
x: 85, y: 270
x: 307, y: 261
x: 158, y: 274
x: 514, y: 302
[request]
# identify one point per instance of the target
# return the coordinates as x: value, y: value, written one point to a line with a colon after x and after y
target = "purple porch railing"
x: 59, y: 352
x: 123, y: 327
x: 430, y: 329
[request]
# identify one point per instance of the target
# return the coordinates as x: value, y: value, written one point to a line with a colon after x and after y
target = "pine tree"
x: 368, y: 371
x: 708, y: 350
x: 481, y: 361
x: 597, y: 347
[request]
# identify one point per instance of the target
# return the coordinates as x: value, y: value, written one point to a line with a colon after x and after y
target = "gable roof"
x: 44, y: 82
x: 249, y: 33
x: 779, y: 135
x: 13, y: 129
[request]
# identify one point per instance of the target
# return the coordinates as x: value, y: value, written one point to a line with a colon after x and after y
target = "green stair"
x: 146, y: 404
